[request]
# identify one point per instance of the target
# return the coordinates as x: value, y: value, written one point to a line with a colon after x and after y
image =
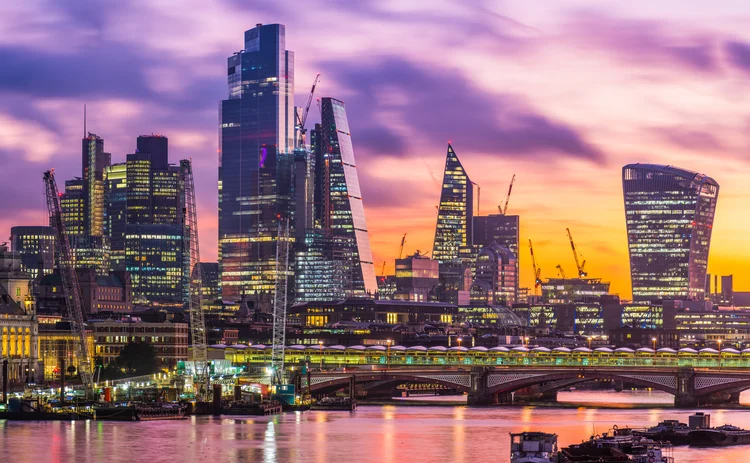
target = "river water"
x: 407, y: 432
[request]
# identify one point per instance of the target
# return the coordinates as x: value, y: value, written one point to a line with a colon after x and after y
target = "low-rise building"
x: 58, y: 343
x: 169, y: 339
x: 108, y: 293
x: 320, y: 313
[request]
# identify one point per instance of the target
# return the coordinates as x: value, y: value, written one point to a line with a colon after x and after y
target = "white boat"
x: 533, y: 447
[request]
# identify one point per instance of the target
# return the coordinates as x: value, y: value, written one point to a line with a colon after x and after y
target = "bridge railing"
x: 342, y: 359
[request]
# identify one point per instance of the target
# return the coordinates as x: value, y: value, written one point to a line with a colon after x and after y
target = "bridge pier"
x: 685, y: 396
x: 528, y: 394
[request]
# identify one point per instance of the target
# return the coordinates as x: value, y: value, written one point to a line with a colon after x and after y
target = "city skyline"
x: 631, y: 112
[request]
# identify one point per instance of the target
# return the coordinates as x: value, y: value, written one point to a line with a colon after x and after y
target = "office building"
x: 94, y: 163
x: 116, y: 198
x: 503, y: 230
x: 322, y: 269
x: 496, y: 277
x: 256, y: 143
x: 72, y: 207
x: 343, y: 209
x: 453, y: 232
x: 109, y: 293
x: 154, y: 259
x: 417, y: 278
x: 669, y: 215
x: 571, y: 290
x: 35, y: 246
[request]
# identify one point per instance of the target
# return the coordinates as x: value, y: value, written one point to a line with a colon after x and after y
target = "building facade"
x: 343, y: 208
x: 669, y: 214
x: 256, y: 144
x: 502, y: 229
x: 453, y: 232
x: 35, y: 246
x: 417, y: 278
x: 496, y: 277
x: 169, y: 339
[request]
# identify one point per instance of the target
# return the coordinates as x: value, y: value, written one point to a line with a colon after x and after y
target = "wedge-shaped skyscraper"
x: 669, y: 214
x: 454, y: 222
x: 343, y: 213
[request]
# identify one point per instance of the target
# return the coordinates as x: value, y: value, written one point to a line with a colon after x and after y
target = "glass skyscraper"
x: 256, y: 144
x: 36, y: 247
x: 454, y: 223
x: 343, y: 209
x: 669, y: 214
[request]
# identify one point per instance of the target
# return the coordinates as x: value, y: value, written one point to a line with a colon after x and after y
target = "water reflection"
x: 371, y: 434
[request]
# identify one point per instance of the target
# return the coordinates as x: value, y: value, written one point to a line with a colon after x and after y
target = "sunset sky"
x: 562, y: 93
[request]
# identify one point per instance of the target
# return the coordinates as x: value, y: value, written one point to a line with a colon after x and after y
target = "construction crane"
x: 71, y: 288
x: 382, y: 271
x: 504, y: 208
x: 301, y: 120
x: 537, y: 270
x: 195, y: 281
x: 562, y: 272
x: 579, y: 265
x: 401, y: 248
x: 279, y: 302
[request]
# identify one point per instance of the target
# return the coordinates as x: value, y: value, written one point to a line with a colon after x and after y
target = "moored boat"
x: 671, y: 431
x: 719, y: 437
x: 533, y: 447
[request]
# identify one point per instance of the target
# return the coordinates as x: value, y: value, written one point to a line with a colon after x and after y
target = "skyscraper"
x: 454, y: 223
x: 669, y: 213
x: 343, y: 212
x: 94, y: 162
x: 256, y: 144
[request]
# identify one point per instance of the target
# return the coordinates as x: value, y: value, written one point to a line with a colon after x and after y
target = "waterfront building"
x: 18, y: 324
x: 35, y: 246
x: 496, y: 277
x: 256, y: 144
x: 320, y: 313
x: 58, y: 342
x: 669, y: 215
x: 453, y: 232
x: 343, y: 209
x: 169, y: 339
x: 417, y: 278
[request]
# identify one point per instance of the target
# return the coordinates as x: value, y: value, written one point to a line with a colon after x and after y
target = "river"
x: 421, y: 431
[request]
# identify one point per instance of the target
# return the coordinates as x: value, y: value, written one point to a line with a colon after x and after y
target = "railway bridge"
x: 495, y: 385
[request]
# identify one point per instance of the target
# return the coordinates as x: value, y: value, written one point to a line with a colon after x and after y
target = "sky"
x: 561, y: 93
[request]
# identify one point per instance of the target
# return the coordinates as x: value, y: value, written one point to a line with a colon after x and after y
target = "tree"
x: 138, y: 358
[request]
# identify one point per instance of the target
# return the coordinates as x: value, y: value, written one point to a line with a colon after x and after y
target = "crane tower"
x: 279, y: 301
x: 71, y: 288
x: 195, y: 278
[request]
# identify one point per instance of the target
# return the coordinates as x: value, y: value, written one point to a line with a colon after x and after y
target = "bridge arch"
x: 325, y: 384
x: 499, y: 383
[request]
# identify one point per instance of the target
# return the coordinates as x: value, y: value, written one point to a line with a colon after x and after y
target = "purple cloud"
x: 439, y: 103
x: 644, y: 41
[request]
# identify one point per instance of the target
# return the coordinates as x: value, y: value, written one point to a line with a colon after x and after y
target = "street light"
x: 388, y: 356
x: 654, y: 341
x: 590, y: 339
x: 458, y: 354
x: 719, y: 342
x: 320, y: 343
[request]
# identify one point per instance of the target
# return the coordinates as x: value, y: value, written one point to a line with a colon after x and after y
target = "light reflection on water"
x: 382, y: 434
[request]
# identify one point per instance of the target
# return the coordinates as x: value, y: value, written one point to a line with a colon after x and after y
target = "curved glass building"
x: 669, y: 214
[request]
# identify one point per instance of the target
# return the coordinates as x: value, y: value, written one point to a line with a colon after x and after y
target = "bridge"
x: 496, y: 385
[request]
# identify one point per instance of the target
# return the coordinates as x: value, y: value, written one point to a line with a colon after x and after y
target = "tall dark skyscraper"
x: 256, y: 144
x: 669, y: 214
x: 343, y: 213
x: 453, y: 232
